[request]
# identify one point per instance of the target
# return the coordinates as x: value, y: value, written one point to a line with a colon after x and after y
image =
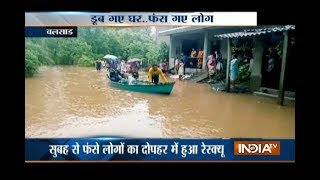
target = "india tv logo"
x: 262, y: 148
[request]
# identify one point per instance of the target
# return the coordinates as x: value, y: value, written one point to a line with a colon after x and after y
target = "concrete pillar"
x: 228, y: 64
x: 205, y: 49
x: 170, y: 47
x: 172, y: 52
x: 209, y: 46
x: 283, y: 68
x: 256, y: 76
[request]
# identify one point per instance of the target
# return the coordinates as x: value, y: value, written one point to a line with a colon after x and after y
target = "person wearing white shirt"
x: 132, y: 80
x: 122, y: 67
x: 181, y: 70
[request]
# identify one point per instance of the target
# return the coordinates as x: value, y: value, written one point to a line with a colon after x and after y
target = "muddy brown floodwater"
x: 78, y: 102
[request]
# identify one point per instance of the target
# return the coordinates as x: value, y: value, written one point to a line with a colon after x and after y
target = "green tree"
x: 164, y: 51
x: 91, y: 44
x: 31, y: 63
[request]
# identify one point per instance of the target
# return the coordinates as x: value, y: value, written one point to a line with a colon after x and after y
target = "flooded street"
x: 78, y: 102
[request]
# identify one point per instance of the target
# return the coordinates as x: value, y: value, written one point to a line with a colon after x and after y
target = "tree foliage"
x: 91, y: 44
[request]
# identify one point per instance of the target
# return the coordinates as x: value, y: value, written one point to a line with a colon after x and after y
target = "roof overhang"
x: 200, y: 29
x: 256, y: 31
x: 180, y: 30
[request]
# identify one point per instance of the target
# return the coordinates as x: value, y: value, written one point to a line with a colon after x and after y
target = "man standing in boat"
x: 154, y: 73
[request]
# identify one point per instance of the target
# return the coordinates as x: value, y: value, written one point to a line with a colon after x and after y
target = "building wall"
x: 176, y: 48
x: 224, y: 48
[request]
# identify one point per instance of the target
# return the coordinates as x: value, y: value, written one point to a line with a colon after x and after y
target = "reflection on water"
x: 77, y: 102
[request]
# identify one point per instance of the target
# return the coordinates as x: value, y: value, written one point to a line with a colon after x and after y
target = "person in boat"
x: 123, y: 67
x: 115, y: 75
x: 134, y: 67
x: 124, y: 80
x: 107, y: 65
x: 133, y: 79
x: 128, y: 68
x: 118, y: 65
x: 154, y: 73
x: 103, y: 64
x: 135, y: 75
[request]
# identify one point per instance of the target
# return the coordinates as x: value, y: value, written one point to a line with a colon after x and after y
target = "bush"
x: 31, y: 63
x: 30, y: 68
x: 85, y: 61
x: 244, y: 74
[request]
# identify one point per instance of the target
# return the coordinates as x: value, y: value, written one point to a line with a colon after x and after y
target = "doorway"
x: 187, y: 46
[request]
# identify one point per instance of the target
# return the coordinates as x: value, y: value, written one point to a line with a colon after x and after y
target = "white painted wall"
x: 176, y: 45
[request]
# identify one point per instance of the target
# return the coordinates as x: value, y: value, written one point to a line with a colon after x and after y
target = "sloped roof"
x: 254, y: 32
x: 182, y: 29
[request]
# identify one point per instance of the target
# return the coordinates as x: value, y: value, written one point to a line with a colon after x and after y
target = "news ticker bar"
x: 51, y: 32
x: 141, y: 19
x: 123, y: 149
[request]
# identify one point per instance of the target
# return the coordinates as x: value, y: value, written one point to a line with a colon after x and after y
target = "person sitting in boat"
x: 135, y: 75
x: 128, y: 68
x: 154, y: 73
x: 124, y: 80
x: 123, y: 67
x: 107, y: 65
x: 115, y: 75
x: 103, y: 64
x: 133, y: 79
